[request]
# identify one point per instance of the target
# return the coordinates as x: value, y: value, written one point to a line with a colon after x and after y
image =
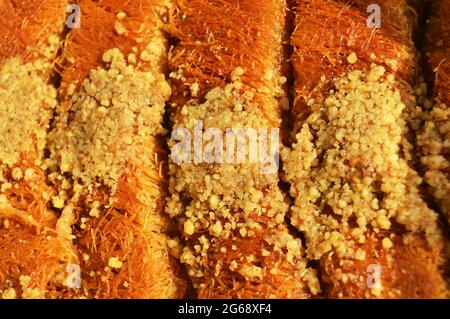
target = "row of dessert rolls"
x: 95, y: 202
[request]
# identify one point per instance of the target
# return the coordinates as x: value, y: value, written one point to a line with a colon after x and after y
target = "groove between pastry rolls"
x: 434, y: 138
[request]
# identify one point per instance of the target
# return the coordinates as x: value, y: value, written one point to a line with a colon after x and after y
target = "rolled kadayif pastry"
x: 351, y: 169
x: 107, y: 150
x: 227, y: 77
x: 36, y: 251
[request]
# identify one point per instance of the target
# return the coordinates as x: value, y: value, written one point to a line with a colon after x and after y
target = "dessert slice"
x: 107, y: 154
x: 37, y: 256
x: 357, y: 198
x: 227, y: 79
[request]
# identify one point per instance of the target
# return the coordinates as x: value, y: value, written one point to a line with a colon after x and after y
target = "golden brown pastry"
x: 357, y: 197
x: 94, y: 203
x: 107, y: 157
x: 36, y: 253
x: 226, y: 73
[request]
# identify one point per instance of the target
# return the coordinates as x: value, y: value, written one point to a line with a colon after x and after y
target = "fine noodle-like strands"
x: 35, y: 249
x: 103, y: 30
x: 226, y: 73
x: 357, y: 199
x: 106, y: 153
x: 30, y: 30
x: 214, y: 44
